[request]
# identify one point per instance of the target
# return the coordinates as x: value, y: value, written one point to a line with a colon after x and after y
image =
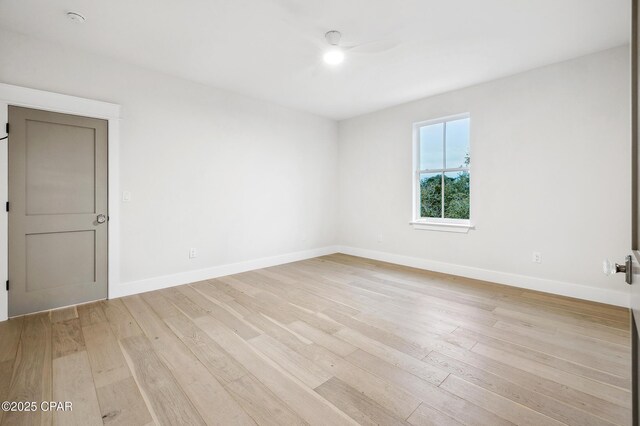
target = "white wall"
x: 237, y: 178
x: 550, y: 173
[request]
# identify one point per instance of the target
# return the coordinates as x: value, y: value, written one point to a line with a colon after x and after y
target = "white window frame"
x: 439, y: 223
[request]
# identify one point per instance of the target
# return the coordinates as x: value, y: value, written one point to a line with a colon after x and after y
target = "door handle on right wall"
x: 101, y: 218
x: 610, y: 268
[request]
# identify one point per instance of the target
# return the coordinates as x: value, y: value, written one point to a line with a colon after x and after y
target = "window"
x: 441, y: 173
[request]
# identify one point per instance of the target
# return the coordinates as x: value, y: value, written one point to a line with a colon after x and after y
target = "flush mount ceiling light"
x: 76, y: 17
x: 334, y: 55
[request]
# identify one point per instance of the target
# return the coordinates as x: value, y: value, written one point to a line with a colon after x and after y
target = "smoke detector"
x: 76, y: 17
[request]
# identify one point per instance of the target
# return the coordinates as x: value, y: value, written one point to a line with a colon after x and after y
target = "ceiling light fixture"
x: 335, y: 55
x: 76, y: 17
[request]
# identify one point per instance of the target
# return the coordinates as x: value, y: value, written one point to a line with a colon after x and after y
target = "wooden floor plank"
x: 329, y: 341
x: 358, y: 406
x: 31, y: 379
x: 262, y: 404
x: 384, y: 336
x: 620, y: 336
x: 594, y: 358
x: 228, y: 318
x: 517, y: 393
x: 601, y: 400
x: 423, y: 335
x: 107, y: 362
x: 297, y: 365
x: 183, y: 303
x: 122, y: 404
x: 504, y: 407
x: 610, y: 351
x: 120, y: 320
x: 205, y: 299
x: 168, y: 401
x: 279, y: 331
x: 91, y: 313
x: 72, y: 381
x: 303, y: 400
x: 162, y: 307
x: 219, y: 363
x: 208, y: 396
x: 426, y: 415
x: 568, y: 365
x: 302, y: 298
x: 9, y: 338
x: 544, y: 378
x: 63, y: 314
x: 560, y: 315
x: 414, y: 366
x: 247, y: 301
x: 120, y: 399
x: 432, y: 396
x: 393, y: 398
x: 66, y: 337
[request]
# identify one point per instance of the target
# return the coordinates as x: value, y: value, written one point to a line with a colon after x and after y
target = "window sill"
x: 460, y: 227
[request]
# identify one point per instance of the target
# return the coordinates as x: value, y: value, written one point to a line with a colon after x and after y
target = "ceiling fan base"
x: 333, y: 37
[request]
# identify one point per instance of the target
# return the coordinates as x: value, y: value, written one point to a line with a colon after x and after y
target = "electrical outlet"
x: 537, y: 257
x: 193, y: 253
x: 380, y: 238
x: 126, y: 196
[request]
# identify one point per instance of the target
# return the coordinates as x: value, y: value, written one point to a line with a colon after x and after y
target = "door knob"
x: 611, y: 268
x: 101, y: 218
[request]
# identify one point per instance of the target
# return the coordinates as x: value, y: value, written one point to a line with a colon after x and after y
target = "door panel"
x: 49, y: 267
x: 50, y: 149
x: 57, y: 187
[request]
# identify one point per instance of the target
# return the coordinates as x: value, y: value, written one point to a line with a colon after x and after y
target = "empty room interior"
x: 336, y: 212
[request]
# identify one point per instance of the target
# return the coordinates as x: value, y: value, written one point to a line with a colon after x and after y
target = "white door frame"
x: 55, y: 102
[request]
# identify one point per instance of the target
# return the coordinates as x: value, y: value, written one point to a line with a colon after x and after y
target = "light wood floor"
x: 330, y: 341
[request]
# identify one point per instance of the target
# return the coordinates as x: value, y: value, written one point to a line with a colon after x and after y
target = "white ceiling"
x: 269, y: 49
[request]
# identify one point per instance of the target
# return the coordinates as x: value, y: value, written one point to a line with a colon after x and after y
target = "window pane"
x: 456, y: 195
x: 458, y: 143
x: 431, y: 195
x: 431, y: 146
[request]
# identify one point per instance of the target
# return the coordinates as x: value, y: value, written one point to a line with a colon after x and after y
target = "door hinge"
x: 7, y: 206
x: 7, y: 285
x: 6, y: 128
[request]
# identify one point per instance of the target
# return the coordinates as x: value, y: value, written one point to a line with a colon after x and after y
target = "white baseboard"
x: 157, y: 283
x: 578, y: 291
x: 610, y: 297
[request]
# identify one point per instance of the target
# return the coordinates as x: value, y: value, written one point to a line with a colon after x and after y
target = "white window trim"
x: 461, y: 225
x: 434, y: 224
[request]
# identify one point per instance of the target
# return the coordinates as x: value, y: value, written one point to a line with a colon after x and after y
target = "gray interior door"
x: 57, y: 210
